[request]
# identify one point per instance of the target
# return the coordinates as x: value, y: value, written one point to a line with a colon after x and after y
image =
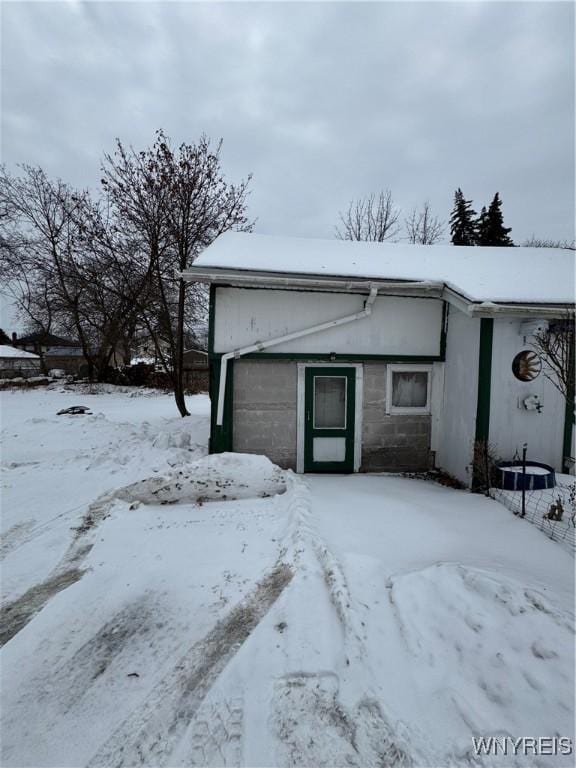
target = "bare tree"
x: 38, y: 252
x: 52, y: 272
x: 555, y: 346
x: 372, y: 218
x: 539, y: 242
x: 423, y: 227
x: 173, y: 203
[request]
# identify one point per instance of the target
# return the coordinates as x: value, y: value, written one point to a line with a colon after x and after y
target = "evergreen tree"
x: 481, y: 225
x: 462, y: 221
x: 4, y: 338
x: 491, y: 229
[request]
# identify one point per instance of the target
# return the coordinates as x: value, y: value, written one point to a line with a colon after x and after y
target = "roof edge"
x: 243, y: 278
x: 294, y: 280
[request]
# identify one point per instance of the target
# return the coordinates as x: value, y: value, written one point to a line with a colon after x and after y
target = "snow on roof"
x: 7, y: 351
x: 46, y: 339
x: 516, y: 275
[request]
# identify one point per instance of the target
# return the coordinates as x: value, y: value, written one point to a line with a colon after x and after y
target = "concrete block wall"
x: 391, y: 443
x: 265, y: 403
x: 264, y: 407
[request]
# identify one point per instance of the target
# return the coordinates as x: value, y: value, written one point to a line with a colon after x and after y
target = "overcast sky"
x: 322, y: 102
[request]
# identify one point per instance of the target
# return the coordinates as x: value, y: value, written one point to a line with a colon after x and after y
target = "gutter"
x: 493, y: 309
x: 261, y: 345
x: 487, y: 309
x: 295, y: 281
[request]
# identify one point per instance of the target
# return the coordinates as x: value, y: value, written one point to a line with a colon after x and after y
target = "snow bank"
x: 220, y: 477
x: 223, y: 476
x: 19, y: 382
x: 53, y: 468
x: 498, y: 653
x: 103, y: 388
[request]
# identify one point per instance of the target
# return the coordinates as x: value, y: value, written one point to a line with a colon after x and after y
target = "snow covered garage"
x: 337, y: 356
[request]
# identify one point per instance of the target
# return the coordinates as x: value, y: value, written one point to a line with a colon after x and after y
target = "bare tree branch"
x: 555, y: 346
x: 423, y: 227
x: 372, y: 218
x: 539, y: 242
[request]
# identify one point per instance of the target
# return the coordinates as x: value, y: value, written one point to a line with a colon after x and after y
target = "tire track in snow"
x: 13, y: 537
x: 303, y: 538
x: 15, y: 615
x: 149, y: 735
x: 217, y: 736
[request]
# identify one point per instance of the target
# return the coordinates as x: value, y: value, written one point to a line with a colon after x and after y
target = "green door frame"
x: 310, y: 432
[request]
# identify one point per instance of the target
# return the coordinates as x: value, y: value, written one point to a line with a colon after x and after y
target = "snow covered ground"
x: 164, y: 608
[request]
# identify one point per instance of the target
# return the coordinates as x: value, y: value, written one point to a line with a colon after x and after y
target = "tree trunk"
x: 179, y: 398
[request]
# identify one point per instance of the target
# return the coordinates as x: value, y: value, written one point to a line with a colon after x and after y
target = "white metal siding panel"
x: 397, y: 326
x: 455, y: 443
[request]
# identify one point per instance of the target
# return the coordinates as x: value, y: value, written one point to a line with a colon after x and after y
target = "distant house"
x: 143, y: 349
x: 196, y: 367
x: 335, y: 356
x: 54, y: 351
x: 15, y: 362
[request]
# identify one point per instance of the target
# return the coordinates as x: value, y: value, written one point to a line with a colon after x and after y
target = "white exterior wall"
x: 397, y: 326
x: 511, y: 426
x: 458, y: 421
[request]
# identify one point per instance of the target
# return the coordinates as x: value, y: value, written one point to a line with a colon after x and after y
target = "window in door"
x: 330, y: 402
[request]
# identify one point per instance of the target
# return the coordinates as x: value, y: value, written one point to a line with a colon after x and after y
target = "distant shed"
x: 196, y: 370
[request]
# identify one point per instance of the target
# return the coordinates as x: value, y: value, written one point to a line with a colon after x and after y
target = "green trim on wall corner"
x: 221, y: 436
x: 211, y: 317
x: 484, y: 379
x: 444, y: 331
x: 567, y: 437
x: 213, y: 369
x: 569, y: 418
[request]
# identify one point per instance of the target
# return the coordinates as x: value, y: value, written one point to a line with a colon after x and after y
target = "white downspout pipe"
x: 260, y: 345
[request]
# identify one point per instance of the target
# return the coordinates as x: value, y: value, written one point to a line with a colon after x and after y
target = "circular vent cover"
x: 526, y: 365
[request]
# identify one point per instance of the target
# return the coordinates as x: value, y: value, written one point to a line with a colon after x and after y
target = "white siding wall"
x: 511, y: 426
x: 397, y: 326
x: 458, y: 421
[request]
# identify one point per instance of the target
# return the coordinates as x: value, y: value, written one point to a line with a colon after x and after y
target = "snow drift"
x: 494, y: 655
x: 223, y: 476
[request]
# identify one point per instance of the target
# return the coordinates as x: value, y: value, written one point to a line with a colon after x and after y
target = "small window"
x: 408, y: 389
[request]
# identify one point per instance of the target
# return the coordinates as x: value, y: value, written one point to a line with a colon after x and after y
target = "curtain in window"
x: 409, y: 389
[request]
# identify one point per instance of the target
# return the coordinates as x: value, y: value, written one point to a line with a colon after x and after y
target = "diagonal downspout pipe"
x: 260, y: 345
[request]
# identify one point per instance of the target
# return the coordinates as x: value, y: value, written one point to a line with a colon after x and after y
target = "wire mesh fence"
x: 553, y: 510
